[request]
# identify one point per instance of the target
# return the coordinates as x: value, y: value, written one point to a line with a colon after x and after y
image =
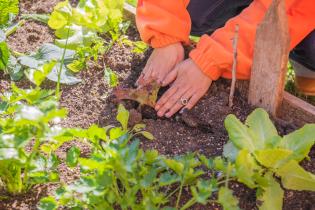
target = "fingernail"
x: 160, y: 114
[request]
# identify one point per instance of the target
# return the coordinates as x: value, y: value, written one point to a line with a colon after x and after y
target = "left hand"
x: 189, y: 86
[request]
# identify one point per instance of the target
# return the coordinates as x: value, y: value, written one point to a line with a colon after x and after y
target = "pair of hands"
x: 167, y: 65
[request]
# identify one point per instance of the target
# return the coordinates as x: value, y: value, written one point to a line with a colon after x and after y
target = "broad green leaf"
x: 202, y: 191
x: 76, y: 38
x: 50, y: 52
x: 37, y: 76
x: 14, y: 69
x: 273, y: 158
x: 110, y: 77
x: 246, y: 168
x: 7, y: 8
x: 149, y: 178
x: 227, y: 200
x: 272, y: 196
x: 176, y: 166
x: 259, y: 122
x: 294, y: 177
x: 73, y: 156
x: 4, y: 52
x: 230, y: 151
x: 48, y: 203
x: 300, y: 141
x: 123, y: 117
x: 61, y: 15
x: 168, y: 179
x: 239, y: 134
x: 66, y: 77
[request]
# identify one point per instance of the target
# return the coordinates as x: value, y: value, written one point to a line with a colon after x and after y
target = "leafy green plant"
x: 260, y: 155
x: 8, y: 9
x: 119, y: 174
x: 28, y: 134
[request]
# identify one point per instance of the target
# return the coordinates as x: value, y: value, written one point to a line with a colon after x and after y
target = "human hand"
x: 189, y: 86
x: 160, y: 63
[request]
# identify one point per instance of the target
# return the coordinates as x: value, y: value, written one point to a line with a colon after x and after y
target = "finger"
x: 147, y: 76
x: 170, y: 77
x: 193, y: 100
x: 171, y: 102
x: 165, y: 97
x: 179, y: 105
x: 140, y: 81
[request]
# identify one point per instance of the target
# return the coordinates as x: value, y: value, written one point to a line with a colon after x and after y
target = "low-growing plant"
x: 118, y: 174
x: 28, y: 137
x: 260, y: 155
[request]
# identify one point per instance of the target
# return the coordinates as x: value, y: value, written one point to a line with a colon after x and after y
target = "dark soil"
x: 92, y: 102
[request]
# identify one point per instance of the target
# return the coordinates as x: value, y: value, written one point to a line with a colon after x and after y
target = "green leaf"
x: 4, y: 52
x: 227, y: 200
x: 273, y: 158
x: 48, y: 203
x: 147, y: 135
x: 202, y: 191
x: 123, y: 117
x: 259, y: 122
x: 7, y: 8
x: 239, y: 134
x: 73, y: 156
x: 294, y: 177
x: 14, y: 69
x: 66, y: 77
x: 37, y: 76
x: 300, y: 142
x: 61, y: 15
x: 246, y: 168
x: 230, y: 151
x: 110, y: 77
x: 176, y: 166
x: 272, y: 196
x: 168, y: 179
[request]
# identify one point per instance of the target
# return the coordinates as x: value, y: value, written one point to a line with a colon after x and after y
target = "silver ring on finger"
x: 184, y: 101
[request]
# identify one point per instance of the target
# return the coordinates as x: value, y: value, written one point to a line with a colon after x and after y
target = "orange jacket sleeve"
x: 214, y: 54
x: 163, y: 22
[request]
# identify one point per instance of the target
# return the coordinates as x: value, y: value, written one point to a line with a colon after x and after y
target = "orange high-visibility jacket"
x: 163, y: 22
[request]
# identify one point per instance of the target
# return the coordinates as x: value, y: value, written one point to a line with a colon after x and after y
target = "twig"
x: 235, y: 42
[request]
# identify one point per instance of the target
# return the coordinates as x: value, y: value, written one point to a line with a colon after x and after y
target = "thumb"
x: 170, y: 77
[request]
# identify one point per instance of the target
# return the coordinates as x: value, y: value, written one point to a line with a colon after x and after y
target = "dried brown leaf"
x: 146, y: 95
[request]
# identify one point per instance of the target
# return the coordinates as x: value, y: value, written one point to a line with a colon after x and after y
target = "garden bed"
x: 92, y: 102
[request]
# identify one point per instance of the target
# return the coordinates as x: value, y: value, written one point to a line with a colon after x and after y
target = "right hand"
x: 160, y: 63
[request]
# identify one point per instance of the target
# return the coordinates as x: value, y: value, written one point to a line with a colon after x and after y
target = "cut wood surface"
x: 130, y: 9
x: 296, y: 110
x: 270, y: 59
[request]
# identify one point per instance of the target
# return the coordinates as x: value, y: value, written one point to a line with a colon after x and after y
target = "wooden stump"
x: 270, y: 59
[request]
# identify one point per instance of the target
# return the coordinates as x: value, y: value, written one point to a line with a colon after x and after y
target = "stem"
x: 227, y: 175
x: 27, y: 165
x: 179, y: 194
x: 61, y: 65
x: 13, y: 28
x: 172, y: 193
x: 235, y: 42
x: 190, y: 203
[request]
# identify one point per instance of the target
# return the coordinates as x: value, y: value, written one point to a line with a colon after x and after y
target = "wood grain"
x: 270, y: 59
